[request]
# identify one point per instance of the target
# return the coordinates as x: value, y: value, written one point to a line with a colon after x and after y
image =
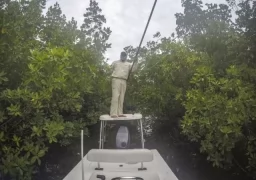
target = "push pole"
x: 138, y: 50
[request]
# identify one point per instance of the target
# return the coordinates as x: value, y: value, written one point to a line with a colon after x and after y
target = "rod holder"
x: 82, y: 152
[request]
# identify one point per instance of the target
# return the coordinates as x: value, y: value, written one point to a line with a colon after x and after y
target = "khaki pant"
x: 118, y: 92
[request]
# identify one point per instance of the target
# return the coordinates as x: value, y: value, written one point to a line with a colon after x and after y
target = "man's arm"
x: 135, y: 65
x: 112, y: 66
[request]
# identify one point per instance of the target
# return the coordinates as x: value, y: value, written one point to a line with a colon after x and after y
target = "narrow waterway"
x: 181, y: 156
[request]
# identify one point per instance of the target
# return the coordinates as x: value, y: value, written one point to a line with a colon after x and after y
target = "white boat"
x: 120, y: 164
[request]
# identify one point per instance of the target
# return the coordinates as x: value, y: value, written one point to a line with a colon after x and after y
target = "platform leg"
x: 100, y: 141
x: 105, y: 131
x: 103, y: 134
x: 141, y: 132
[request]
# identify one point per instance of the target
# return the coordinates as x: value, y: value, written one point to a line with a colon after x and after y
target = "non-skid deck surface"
x: 128, y: 117
x: 157, y: 167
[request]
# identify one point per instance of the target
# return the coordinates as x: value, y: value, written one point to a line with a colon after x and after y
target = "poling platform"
x: 129, y: 117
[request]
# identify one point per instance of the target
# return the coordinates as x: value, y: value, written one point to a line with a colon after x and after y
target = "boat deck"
x: 157, y: 167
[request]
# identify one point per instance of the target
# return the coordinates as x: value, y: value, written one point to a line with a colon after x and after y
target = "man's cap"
x: 123, y: 54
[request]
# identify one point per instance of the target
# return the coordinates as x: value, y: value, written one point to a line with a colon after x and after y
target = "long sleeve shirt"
x: 122, y: 69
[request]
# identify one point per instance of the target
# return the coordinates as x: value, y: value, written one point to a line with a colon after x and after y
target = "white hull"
x: 156, y: 170
x: 111, y: 164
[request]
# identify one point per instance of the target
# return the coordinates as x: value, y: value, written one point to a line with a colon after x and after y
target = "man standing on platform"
x: 121, y: 70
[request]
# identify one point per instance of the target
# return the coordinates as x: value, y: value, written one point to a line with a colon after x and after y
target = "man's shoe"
x: 121, y: 115
x: 114, y: 116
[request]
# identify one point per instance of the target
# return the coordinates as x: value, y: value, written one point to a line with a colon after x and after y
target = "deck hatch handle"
x: 102, y: 177
x: 126, y: 177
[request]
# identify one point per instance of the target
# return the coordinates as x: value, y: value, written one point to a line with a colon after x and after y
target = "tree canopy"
x: 52, y: 80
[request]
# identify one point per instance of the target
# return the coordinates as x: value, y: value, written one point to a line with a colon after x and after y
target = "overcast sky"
x: 127, y: 19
